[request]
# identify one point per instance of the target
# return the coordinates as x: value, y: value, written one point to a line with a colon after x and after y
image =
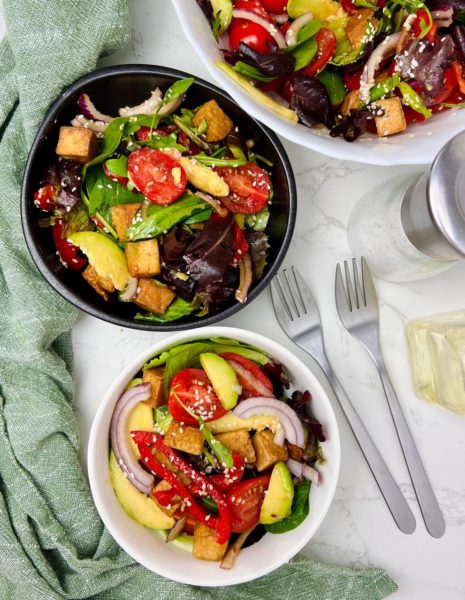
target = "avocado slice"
x: 138, y: 506
x: 222, y: 377
x: 105, y: 256
x: 225, y: 10
x: 140, y: 419
x: 259, y: 96
x: 278, y: 499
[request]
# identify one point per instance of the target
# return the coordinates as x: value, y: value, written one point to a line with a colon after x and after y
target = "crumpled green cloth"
x: 52, y: 542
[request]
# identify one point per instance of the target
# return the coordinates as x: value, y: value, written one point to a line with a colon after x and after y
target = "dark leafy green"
x: 252, y: 72
x: 161, y: 218
x: 112, y: 137
x: 158, y: 141
x: 107, y: 193
x: 304, y: 52
x: 258, y: 248
x: 311, y: 102
x: 214, y: 161
x: 176, y: 310
x: 178, y: 88
x: 118, y: 166
x: 299, y: 512
x: 334, y: 85
x: 270, y: 65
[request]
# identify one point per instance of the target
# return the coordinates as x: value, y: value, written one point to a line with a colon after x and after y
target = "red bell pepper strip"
x: 423, y: 21
x: 222, y: 523
x: 45, y: 197
x: 67, y: 252
x: 240, y: 242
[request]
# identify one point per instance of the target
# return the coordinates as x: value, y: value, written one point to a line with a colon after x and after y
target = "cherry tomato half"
x: 252, y: 34
x: 275, y: 7
x: 45, y: 197
x: 254, y: 6
x: 193, y: 388
x: 326, y: 49
x: 245, y: 502
x: 249, y: 374
x: 348, y: 6
x: 157, y: 175
x: 68, y: 253
x: 249, y: 188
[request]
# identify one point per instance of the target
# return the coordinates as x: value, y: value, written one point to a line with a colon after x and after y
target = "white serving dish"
x: 147, y: 546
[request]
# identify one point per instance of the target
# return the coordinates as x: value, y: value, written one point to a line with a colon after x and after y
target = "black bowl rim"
x: 55, y: 282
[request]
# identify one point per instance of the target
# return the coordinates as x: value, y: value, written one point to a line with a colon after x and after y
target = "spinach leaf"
x: 304, y: 52
x: 208, y: 503
x: 112, y: 137
x: 199, y: 217
x: 177, y: 309
x: 118, y: 166
x: 158, y: 141
x: 213, y: 161
x: 334, y: 85
x: 177, y: 89
x: 162, y: 218
x: 188, y: 357
x: 107, y: 193
x: 299, y: 511
x: 252, y: 72
x: 308, y: 31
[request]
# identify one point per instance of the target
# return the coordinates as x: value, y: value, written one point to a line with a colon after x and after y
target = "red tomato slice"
x: 326, y: 49
x: 240, y: 242
x: 348, y: 6
x: 254, y: 6
x: 245, y: 502
x: 275, y: 7
x: 45, y: 197
x: 113, y: 177
x: 144, y: 133
x: 193, y: 388
x: 157, y: 175
x: 67, y: 252
x: 249, y: 188
x: 449, y: 85
x: 249, y: 376
x: 230, y: 477
x: 352, y: 79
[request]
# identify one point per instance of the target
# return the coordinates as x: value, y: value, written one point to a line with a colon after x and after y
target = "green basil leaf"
x: 176, y: 310
x: 118, y: 166
x: 299, y: 512
x: 251, y: 72
x: 334, y: 85
x: 162, y: 218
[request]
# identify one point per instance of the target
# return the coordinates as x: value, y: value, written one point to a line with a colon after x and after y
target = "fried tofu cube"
x: 153, y: 296
x: 185, y: 438
x: 351, y: 102
x: 218, y: 122
x: 155, y: 378
x: 239, y: 442
x: 356, y: 26
x: 143, y: 258
x: 393, y: 121
x: 268, y: 453
x: 205, y: 545
x: 122, y: 216
x: 170, y: 509
x: 102, y: 285
x: 77, y: 143
x: 165, y: 461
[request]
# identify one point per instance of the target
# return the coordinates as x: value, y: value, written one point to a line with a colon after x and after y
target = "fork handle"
x: 429, y: 506
x: 396, y: 502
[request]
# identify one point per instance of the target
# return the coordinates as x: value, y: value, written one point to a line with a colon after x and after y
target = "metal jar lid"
x: 433, y: 209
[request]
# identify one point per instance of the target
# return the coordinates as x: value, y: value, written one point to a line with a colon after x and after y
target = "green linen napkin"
x: 52, y: 542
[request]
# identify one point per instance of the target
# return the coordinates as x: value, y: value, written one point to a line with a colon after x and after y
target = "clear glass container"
x: 377, y: 232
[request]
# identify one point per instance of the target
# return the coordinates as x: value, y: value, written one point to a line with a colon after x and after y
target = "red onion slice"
x: 444, y: 17
x: 302, y: 470
x: 130, y: 291
x: 281, y: 18
x: 88, y: 110
x: 264, y: 405
x: 213, y: 203
x: 293, y: 31
x: 286, y: 425
x: 82, y: 121
x: 140, y: 479
x: 169, y: 108
x: 148, y: 107
x: 247, y: 376
x: 245, y: 279
x: 385, y: 49
x: 270, y: 27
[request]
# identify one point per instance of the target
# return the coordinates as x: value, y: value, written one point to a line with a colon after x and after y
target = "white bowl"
x: 419, y: 144
x: 147, y: 546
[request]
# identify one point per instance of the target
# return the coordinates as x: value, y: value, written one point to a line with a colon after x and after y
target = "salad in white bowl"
x: 218, y: 448
x: 386, y: 75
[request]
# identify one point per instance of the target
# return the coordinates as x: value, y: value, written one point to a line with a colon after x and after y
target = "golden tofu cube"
x: 218, y: 122
x: 153, y: 296
x: 77, y: 143
x: 155, y: 378
x: 184, y: 438
x: 239, y: 442
x: 268, y: 453
x: 205, y: 545
x: 356, y: 26
x: 393, y: 121
x: 143, y: 258
x: 122, y: 216
x: 102, y: 285
x: 351, y: 102
x: 170, y: 509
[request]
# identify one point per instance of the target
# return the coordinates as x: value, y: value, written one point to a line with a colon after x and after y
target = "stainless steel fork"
x: 357, y: 305
x: 298, y: 315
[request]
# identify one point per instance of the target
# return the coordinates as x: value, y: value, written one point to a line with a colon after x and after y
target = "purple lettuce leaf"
x: 66, y: 174
x: 311, y: 102
x: 273, y: 64
x: 258, y: 248
x: 352, y: 125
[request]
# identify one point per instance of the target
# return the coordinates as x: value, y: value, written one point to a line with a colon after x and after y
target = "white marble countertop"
x: 358, y: 529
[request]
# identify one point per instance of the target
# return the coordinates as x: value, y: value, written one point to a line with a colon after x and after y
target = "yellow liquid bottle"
x: 437, y: 359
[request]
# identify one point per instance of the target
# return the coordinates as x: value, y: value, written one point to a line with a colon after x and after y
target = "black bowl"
x: 128, y: 85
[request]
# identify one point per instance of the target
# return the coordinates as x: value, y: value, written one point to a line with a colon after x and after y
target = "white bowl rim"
x: 96, y: 480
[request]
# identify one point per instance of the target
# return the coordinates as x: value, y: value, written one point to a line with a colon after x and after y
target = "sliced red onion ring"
x: 148, y: 107
x: 263, y: 405
x: 130, y: 291
x: 140, y: 479
x: 293, y: 31
x: 88, y: 110
x: 82, y: 121
x: 245, y: 279
x: 281, y: 18
x: 270, y: 27
x: 385, y: 49
x: 302, y: 470
x: 169, y: 108
x: 246, y: 375
x: 285, y: 422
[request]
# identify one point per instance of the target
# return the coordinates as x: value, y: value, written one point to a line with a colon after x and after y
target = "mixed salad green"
x: 163, y: 206
x: 349, y: 65
x: 208, y: 447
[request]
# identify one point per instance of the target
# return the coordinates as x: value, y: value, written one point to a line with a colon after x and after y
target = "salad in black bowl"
x: 156, y: 202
